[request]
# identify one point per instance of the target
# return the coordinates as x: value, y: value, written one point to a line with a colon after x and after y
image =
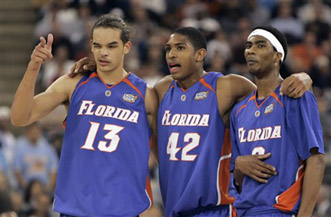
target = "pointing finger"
x: 50, y: 40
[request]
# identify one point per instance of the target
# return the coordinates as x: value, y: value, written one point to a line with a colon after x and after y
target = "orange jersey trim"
x: 243, y: 106
x: 224, y: 170
x: 149, y: 190
x: 134, y: 87
x: 287, y: 200
x: 94, y: 74
x: 276, y: 98
x: 204, y: 83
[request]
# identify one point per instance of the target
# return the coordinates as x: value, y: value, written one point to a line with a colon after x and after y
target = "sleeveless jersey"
x: 288, y: 128
x: 103, y: 170
x: 194, y: 148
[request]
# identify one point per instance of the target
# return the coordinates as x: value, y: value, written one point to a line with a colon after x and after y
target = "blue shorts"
x: 219, y: 211
x: 270, y: 213
x: 64, y: 215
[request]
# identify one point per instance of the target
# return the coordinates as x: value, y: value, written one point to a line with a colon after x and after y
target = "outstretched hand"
x: 254, y: 167
x: 43, y: 51
x: 82, y: 66
x: 296, y: 85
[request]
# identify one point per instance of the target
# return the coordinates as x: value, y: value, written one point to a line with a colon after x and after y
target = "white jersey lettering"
x: 169, y: 119
x: 87, y: 108
x: 258, y: 134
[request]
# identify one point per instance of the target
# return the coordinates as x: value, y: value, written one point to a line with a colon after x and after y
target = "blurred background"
x: 29, y: 156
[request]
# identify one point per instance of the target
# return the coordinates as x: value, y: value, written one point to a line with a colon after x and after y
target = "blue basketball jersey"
x: 288, y: 128
x: 194, y: 149
x: 103, y: 169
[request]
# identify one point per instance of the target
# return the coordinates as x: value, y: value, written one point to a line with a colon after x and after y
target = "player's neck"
x: 112, y: 77
x: 191, y: 80
x: 266, y: 85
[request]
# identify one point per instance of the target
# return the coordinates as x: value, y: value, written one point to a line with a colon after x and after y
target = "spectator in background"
x: 315, y: 8
x: 323, y: 205
x: 303, y: 55
x: 320, y: 72
x: 7, y: 147
x: 58, y: 66
x: 287, y: 23
x: 319, y: 26
x: 18, y: 202
x: 325, y: 117
x: 237, y: 42
x: 151, y: 68
x: 6, y: 208
x: 257, y: 14
x: 42, y: 206
x: 219, y: 46
x: 35, y: 159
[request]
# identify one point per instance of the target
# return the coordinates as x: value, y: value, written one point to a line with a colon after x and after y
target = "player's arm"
x: 304, y: 126
x: 296, y: 85
x: 160, y: 88
x: 26, y: 107
x: 52, y: 181
x: 230, y: 90
x: 311, y: 182
x: 254, y: 167
x: 151, y: 103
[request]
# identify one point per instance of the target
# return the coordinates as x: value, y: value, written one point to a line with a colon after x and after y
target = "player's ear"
x: 277, y: 57
x: 127, y: 47
x: 200, y: 54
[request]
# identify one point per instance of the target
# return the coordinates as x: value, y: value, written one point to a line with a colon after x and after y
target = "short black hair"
x: 194, y: 36
x: 280, y: 36
x: 109, y: 21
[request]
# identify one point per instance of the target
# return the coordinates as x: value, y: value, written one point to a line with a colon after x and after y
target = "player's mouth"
x: 174, y: 67
x: 103, y: 62
x: 251, y: 61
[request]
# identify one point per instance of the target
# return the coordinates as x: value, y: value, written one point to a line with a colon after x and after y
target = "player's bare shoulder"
x: 151, y: 100
x: 234, y: 86
x: 162, y: 86
x: 229, y: 90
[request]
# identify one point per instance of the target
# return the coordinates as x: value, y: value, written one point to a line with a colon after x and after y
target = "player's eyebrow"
x: 109, y: 44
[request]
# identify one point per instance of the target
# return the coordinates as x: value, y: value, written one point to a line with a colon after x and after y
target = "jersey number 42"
x: 193, y: 140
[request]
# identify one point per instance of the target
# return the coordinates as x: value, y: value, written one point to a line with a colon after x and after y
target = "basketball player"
x: 193, y: 142
x: 103, y: 169
x: 281, y: 131
x: 194, y: 151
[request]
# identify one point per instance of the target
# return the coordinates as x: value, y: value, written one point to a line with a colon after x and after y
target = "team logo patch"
x: 183, y: 97
x: 201, y: 95
x: 269, y: 108
x: 257, y: 114
x: 130, y: 98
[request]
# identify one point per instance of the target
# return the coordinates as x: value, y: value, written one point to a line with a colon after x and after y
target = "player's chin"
x: 253, y: 71
x: 176, y: 76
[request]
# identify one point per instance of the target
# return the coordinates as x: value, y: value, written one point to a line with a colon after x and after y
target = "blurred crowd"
x: 28, y: 163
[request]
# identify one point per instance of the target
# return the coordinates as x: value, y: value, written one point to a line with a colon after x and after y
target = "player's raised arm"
x: 26, y: 107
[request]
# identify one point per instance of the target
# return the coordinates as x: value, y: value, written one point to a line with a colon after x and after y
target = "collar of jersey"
x: 95, y: 74
x: 274, y: 95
